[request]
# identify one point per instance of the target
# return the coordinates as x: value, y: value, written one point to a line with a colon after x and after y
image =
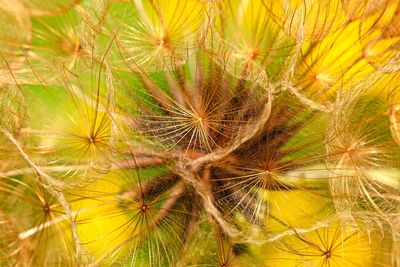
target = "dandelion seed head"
x: 199, y: 133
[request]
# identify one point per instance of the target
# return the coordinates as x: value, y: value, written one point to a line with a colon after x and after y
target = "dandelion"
x: 336, y: 245
x: 162, y: 34
x: 35, y: 228
x: 199, y: 133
